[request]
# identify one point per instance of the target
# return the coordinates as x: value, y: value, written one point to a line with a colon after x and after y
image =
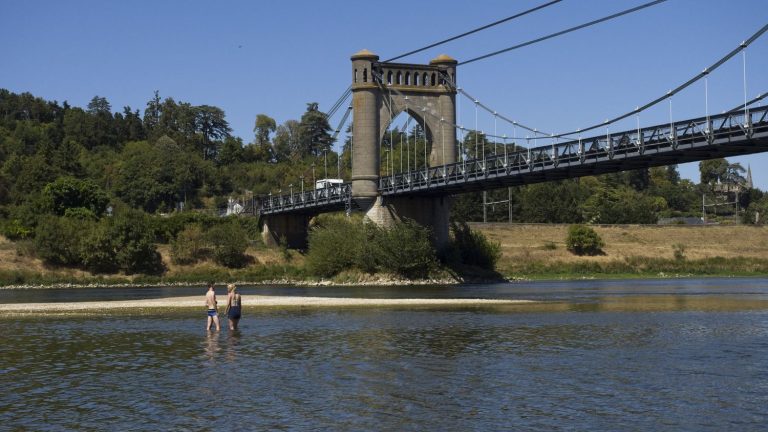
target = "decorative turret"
x: 362, y: 66
x: 749, y: 184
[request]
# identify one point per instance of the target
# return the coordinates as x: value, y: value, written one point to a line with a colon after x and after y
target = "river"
x: 682, y: 354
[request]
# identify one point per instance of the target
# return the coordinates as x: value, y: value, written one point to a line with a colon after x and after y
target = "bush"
x: 98, y: 252
x: 338, y: 243
x: 229, y: 242
x: 406, y: 250
x: 189, y: 245
x: 474, y: 248
x: 136, y: 252
x: 57, y: 240
x: 583, y: 240
x: 333, y: 244
x: 678, y: 250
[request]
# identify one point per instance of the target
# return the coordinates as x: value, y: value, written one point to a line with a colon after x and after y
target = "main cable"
x: 677, y: 89
x: 487, y: 26
x: 562, y: 32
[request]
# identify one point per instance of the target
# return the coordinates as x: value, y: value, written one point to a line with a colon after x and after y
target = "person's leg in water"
x: 216, y: 321
x: 234, y: 322
x: 210, y: 321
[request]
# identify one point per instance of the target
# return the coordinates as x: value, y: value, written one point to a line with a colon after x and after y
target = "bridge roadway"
x: 723, y: 135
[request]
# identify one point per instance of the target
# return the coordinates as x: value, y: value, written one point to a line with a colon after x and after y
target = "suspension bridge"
x: 428, y: 94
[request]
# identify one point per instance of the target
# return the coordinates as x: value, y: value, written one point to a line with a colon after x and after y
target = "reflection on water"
x: 674, y: 362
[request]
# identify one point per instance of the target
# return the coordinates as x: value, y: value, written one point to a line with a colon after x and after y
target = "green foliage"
x: 553, y: 202
x: 67, y: 193
x: 229, y: 242
x: 58, y: 240
x: 136, y: 252
x: 405, y: 249
x: 99, y: 251
x: 757, y: 212
x: 333, y: 244
x: 189, y: 246
x: 338, y: 243
x: 474, y: 248
x: 621, y: 205
x: 583, y: 240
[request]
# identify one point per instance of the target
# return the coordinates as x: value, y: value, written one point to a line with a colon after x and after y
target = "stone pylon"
x: 380, y: 92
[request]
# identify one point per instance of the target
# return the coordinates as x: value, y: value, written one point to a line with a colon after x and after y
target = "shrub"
x: 474, y: 248
x: 678, y: 249
x: 333, y: 244
x: 229, y: 242
x: 136, y: 251
x: 405, y: 249
x: 98, y: 253
x: 189, y: 245
x: 57, y: 240
x: 583, y: 240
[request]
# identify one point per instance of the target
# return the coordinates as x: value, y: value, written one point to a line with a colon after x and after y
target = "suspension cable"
x: 679, y: 88
x: 487, y: 26
x: 750, y: 102
x: 562, y: 32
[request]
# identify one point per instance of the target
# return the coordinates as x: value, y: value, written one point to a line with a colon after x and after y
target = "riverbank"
x: 528, y: 252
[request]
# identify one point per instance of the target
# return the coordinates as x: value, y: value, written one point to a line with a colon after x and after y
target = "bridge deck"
x: 723, y: 135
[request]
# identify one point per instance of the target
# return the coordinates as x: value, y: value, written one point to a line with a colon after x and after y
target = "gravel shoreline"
x: 251, y: 301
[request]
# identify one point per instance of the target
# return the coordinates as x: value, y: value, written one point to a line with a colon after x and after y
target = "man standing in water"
x: 210, y: 302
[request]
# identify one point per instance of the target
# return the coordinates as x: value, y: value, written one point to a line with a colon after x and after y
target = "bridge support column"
x: 365, y: 129
x: 294, y: 228
x: 431, y: 212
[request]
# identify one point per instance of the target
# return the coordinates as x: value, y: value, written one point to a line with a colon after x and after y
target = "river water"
x: 681, y: 354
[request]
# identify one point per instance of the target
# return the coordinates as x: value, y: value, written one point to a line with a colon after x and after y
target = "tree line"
x: 60, y: 163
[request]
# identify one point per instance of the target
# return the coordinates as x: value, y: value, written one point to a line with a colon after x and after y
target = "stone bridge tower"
x: 381, y: 91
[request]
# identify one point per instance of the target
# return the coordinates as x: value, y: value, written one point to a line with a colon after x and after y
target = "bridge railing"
x: 330, y: 196
x: 716, y: 129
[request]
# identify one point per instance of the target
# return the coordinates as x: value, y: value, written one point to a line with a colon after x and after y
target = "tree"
x: 264, y: 126
x: 713, y: 171
x: 286, y: 144
x: 70, y: 193
x: 211, y: 124
x: 314, y: 132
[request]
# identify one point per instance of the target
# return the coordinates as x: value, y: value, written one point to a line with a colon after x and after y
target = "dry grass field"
x: 522, y: 244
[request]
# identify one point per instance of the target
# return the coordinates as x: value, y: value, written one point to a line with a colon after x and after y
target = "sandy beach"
x: 198, y: 302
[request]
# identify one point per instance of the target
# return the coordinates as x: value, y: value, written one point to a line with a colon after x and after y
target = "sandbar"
x: 251, y: 301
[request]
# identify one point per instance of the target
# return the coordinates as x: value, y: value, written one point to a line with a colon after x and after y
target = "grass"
x: 632, y: 251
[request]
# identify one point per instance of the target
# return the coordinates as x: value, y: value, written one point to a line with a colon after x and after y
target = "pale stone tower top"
x: 749, y: 177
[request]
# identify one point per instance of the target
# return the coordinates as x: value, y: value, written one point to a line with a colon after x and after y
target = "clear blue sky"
x: 251, y: 57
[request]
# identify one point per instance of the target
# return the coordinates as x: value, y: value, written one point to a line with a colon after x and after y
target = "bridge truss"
x: 723, y: 135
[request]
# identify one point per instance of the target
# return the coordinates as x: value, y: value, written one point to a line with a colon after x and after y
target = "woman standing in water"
x: 234, y: 306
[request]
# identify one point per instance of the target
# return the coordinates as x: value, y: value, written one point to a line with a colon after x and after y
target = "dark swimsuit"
x: 234, y: 308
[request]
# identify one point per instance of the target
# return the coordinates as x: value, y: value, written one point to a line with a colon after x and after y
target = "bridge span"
x: 723, y: 135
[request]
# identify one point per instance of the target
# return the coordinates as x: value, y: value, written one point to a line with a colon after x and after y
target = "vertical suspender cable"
x: 426, y: 162
x: 706, y: 101
x: 476, y: 144
x: 671, y: 126
x: 495, y: 150
x: 391, y: 136
x: 744, y: 63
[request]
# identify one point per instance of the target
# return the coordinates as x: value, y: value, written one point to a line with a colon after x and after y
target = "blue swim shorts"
x: 211, y: 312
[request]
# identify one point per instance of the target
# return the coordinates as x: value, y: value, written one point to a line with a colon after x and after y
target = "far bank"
x: 528, y: 251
